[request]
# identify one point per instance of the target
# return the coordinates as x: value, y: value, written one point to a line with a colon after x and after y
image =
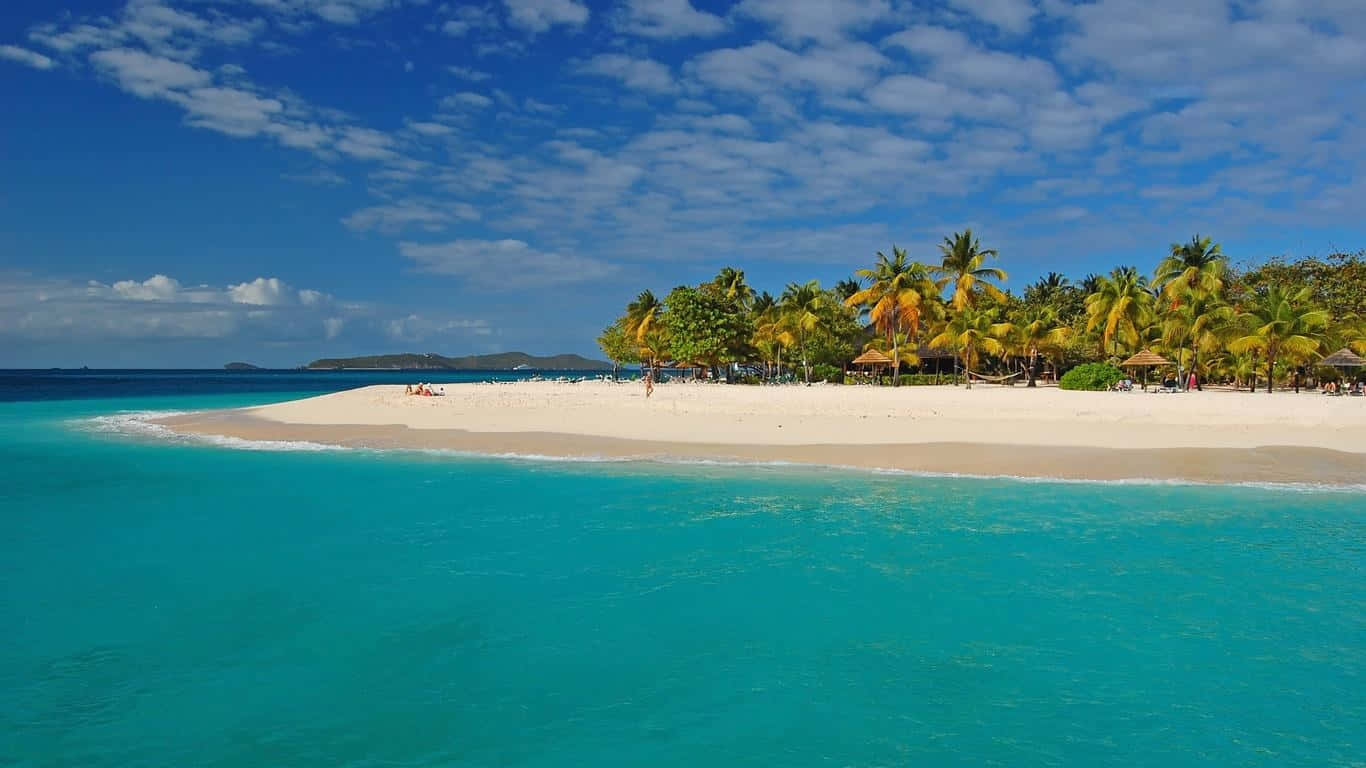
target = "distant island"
x: 500, y: 362
x: 242, y: 367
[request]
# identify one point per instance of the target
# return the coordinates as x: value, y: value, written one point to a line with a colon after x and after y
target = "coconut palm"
x: 899, y: 292
x: 969, y: 333
x: 1035, y: 331
x: 1282, y: 324
x: 772, y: 334
x: 964, y: 267
x: 642, y: 317
x: 801, y: 306
x: 1194, y: 268
x: 730, y: 282
x: 847, y: 287
x: 1195, y: 325
x: 1120, y: 306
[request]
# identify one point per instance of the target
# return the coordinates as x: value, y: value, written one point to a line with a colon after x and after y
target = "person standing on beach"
x: 649, y: 384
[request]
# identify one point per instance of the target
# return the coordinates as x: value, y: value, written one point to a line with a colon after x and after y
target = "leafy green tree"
x: 704, y: 327
x: 1121, y: 307
x: 963, y: 267
x: 1337, y: 283
x: 898, y: 293
x: 618, y: 345
x: 970, y: 333
x: 1282, y: 324
x: 1056, y: 292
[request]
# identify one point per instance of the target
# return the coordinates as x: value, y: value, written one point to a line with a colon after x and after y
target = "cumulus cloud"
x: 482, y: 262
x: 540, y: 15
x: 637, y: 74
x: 669, y: 19
x: 820, y: 20
x: 27, y: 57
x: 162, y: 307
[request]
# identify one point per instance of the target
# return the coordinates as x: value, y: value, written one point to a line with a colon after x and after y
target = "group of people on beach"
x: 1334, y: 388
x: 425, y: 390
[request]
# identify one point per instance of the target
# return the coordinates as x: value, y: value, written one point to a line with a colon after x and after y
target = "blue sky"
x: 191, y: 181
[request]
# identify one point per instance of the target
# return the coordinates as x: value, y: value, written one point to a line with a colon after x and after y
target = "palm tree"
x: 762, y: 303
x: 963, y: 267
x: 1035, y: 330
x: 730, y: 282
x: 642, y: 319
x: 896, y: 297
x: 970, y: 332
x: 1194, y: 268
x: 1199, y: 323
x: 801, y: 305
x: 771, y: 335
x: 1282, y: 324
x: 847, y: 287
x: 1121, y: 305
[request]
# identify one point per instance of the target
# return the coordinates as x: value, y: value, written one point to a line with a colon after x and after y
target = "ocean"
x: 177, y: 603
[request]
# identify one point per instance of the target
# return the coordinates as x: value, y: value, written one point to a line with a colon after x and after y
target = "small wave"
x: 142, y: 424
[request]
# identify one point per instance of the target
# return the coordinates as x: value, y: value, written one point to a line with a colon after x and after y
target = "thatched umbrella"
x: 1145, y: 360
x: 873, y: 359
x: 1343, y: 358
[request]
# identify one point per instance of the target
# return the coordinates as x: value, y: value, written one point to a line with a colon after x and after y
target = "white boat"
x: 522, y: 367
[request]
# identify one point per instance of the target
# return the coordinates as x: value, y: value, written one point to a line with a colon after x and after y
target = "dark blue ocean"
x: 169, y: 603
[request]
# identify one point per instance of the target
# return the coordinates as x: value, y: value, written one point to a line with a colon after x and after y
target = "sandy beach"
x: 1213, y: 436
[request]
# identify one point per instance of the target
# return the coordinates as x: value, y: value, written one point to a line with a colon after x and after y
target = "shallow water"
x: 182, y: 604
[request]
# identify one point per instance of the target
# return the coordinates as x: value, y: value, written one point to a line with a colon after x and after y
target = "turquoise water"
x: 170, y: 605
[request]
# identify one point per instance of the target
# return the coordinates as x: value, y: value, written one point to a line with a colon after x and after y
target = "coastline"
x: 1212, y: 437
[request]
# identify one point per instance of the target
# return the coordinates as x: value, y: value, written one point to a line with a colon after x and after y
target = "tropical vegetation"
x: 1250, y: 326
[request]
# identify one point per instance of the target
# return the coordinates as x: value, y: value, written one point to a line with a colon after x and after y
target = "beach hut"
x: 873, y: 361
x: 1344, y: 359
x: 1145, y: 360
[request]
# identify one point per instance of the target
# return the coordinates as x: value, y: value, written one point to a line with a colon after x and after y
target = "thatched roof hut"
x: 1145, y: 359
x: 872, y: 357
x: 1343, y: 358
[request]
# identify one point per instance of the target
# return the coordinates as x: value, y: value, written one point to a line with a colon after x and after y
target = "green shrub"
x: 1091, y: 376
x: 820, y: 372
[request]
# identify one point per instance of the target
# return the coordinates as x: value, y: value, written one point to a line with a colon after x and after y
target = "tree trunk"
x: 1270, y: 369
x: 1033, y: 367
x: 967, y: 373
x: 896, y: 363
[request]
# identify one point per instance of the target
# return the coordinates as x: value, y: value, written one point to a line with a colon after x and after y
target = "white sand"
x: 848, y: 415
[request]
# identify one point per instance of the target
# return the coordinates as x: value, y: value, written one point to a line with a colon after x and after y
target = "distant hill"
x: 504, y: 361
x: 242, y: 367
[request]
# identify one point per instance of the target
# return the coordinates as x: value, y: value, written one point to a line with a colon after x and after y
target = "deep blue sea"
x: 168, y: 603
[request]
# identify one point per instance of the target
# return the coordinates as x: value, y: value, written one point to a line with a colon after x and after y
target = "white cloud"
x: 540, y: 15
x: 1012, y: 16
x: 420, y: 328
x: 148, y: 76
x: 366, y: 144
x: 637, y: 74
x: 819, y: 20
x: 263, y: 291
x: 154, y: 288
x: 231, y: 111
x: 481, y: 262
x: 469, y: 18
x: 763, y: 68
x: 396, y: 217
x: 27, y: 57
x: 466, y: 99
x: 466, y: 73
x: 669, y: 19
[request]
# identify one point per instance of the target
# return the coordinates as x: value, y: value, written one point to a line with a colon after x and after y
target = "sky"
x: 189, y: 182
